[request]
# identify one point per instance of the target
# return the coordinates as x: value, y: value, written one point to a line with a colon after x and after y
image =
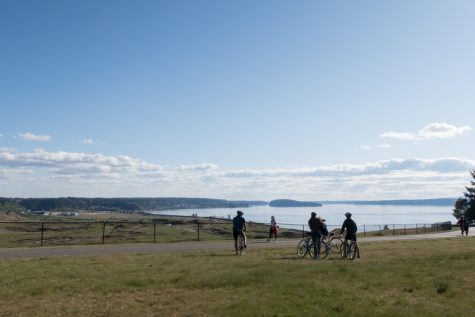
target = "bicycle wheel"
x: 343, y: 250
x: 335, y: 244
x: 311, y: 249
x: 352, y: 251
x: 302, y: 248
x: 242, y: 249
x: 324, y: 250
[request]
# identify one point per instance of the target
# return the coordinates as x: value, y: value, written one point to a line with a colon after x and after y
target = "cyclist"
x: 351, y: 228
x: 239, y: 228
x: 315, y: 225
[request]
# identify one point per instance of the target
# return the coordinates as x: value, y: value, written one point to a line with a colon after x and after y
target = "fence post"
x: 154, y: 232
x: 42, y: 230
x: 364, y: 230
x: 380, y: 232
x: 303, y: 231
x: 394, y: 230
x: 417, y: 231
x: 103, y: 231
x: 198, y: 231
x: 405, y: 232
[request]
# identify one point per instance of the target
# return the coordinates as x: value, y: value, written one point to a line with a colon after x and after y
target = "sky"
x: 308, y: 100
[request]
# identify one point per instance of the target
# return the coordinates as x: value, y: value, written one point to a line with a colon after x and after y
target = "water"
x: 370, y: 215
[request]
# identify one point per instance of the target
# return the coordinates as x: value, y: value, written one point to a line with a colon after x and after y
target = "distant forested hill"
x: 400, y: 202
x: 122, y: 204
x: 293, y: 203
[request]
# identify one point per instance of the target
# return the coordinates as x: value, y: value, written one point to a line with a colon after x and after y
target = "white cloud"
x: 76, y: 163
x: 443, y: 130
x: 1, y: 135
x: 87, y: 141
x: 199, y: 167
x: 34, y: 137
x: 384, y: 146
x: 42, y: 173
x: 440, y: 130
x: 366, y: 147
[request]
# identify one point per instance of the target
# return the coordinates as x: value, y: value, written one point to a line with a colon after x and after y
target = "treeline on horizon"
x: 169, y: 203
x: 118, y: 204
x: 397, y: 202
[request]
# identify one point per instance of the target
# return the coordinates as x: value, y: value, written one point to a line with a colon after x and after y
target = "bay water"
x: 295, y: 217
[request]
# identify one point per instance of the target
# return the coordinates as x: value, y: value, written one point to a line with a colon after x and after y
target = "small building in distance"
x: 69, y: 214
x: 40, y: 213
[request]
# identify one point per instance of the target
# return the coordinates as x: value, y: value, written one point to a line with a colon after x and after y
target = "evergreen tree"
x: 460, y: 207
x: 466, y: 206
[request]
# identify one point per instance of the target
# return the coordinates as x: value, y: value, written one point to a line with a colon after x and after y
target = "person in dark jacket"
x: 315, y: 225
x: 239, y: 228
x: 349, y: 225
x: 464, y: 224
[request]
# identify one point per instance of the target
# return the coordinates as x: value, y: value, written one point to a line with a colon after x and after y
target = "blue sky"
x: 237, y: 99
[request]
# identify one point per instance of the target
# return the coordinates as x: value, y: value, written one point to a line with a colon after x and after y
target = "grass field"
x: 121, y: 228
x: 114, y: 228
x: 410, y: 278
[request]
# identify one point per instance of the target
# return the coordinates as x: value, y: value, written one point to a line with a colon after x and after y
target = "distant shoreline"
x: 396, y: 202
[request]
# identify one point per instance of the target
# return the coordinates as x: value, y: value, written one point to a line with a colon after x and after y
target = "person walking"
x: 463, y: 223
x: 272, y: 229
x: 315, y: 225
x: 239, y: 228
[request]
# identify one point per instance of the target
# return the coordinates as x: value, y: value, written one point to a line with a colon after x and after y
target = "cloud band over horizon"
x: 52, y: 174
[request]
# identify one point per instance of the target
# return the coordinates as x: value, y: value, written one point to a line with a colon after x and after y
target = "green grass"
x: 410, y: 278
x: 125, y: 229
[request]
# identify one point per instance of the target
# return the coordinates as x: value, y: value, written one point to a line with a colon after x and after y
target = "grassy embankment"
x: 120, y: 228
x: 410, y: 278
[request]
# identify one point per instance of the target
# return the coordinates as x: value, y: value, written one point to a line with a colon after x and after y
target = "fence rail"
x: 41, y: 233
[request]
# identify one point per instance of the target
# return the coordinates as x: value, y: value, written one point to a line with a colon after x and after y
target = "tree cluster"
x: 116, y: 204
x: 465, y: 206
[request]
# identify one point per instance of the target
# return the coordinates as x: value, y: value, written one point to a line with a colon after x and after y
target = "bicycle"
x: 330, y: 244
x: 349, y: 250
x: 305, y: 246
x: 241, y: 245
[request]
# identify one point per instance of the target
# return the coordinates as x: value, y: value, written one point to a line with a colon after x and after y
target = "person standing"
x: 350, y: 226
x: 239, y: 228
x: 315, y: 225
x: 273, y: 229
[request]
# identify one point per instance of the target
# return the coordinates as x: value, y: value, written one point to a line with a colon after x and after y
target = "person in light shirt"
x: 273, y: 229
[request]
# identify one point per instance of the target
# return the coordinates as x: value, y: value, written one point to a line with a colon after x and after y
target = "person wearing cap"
x: 350, y: 226
x: 315, y: 225
x: 239, y: 228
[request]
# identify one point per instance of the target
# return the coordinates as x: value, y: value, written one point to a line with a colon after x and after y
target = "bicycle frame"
x: 241, y: 244
x: 349, y: 250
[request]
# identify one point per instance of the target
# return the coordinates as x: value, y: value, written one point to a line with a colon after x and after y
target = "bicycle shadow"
x: 307, y: 258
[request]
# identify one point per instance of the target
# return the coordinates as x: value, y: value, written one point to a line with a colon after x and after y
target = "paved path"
x: 92, y: 250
